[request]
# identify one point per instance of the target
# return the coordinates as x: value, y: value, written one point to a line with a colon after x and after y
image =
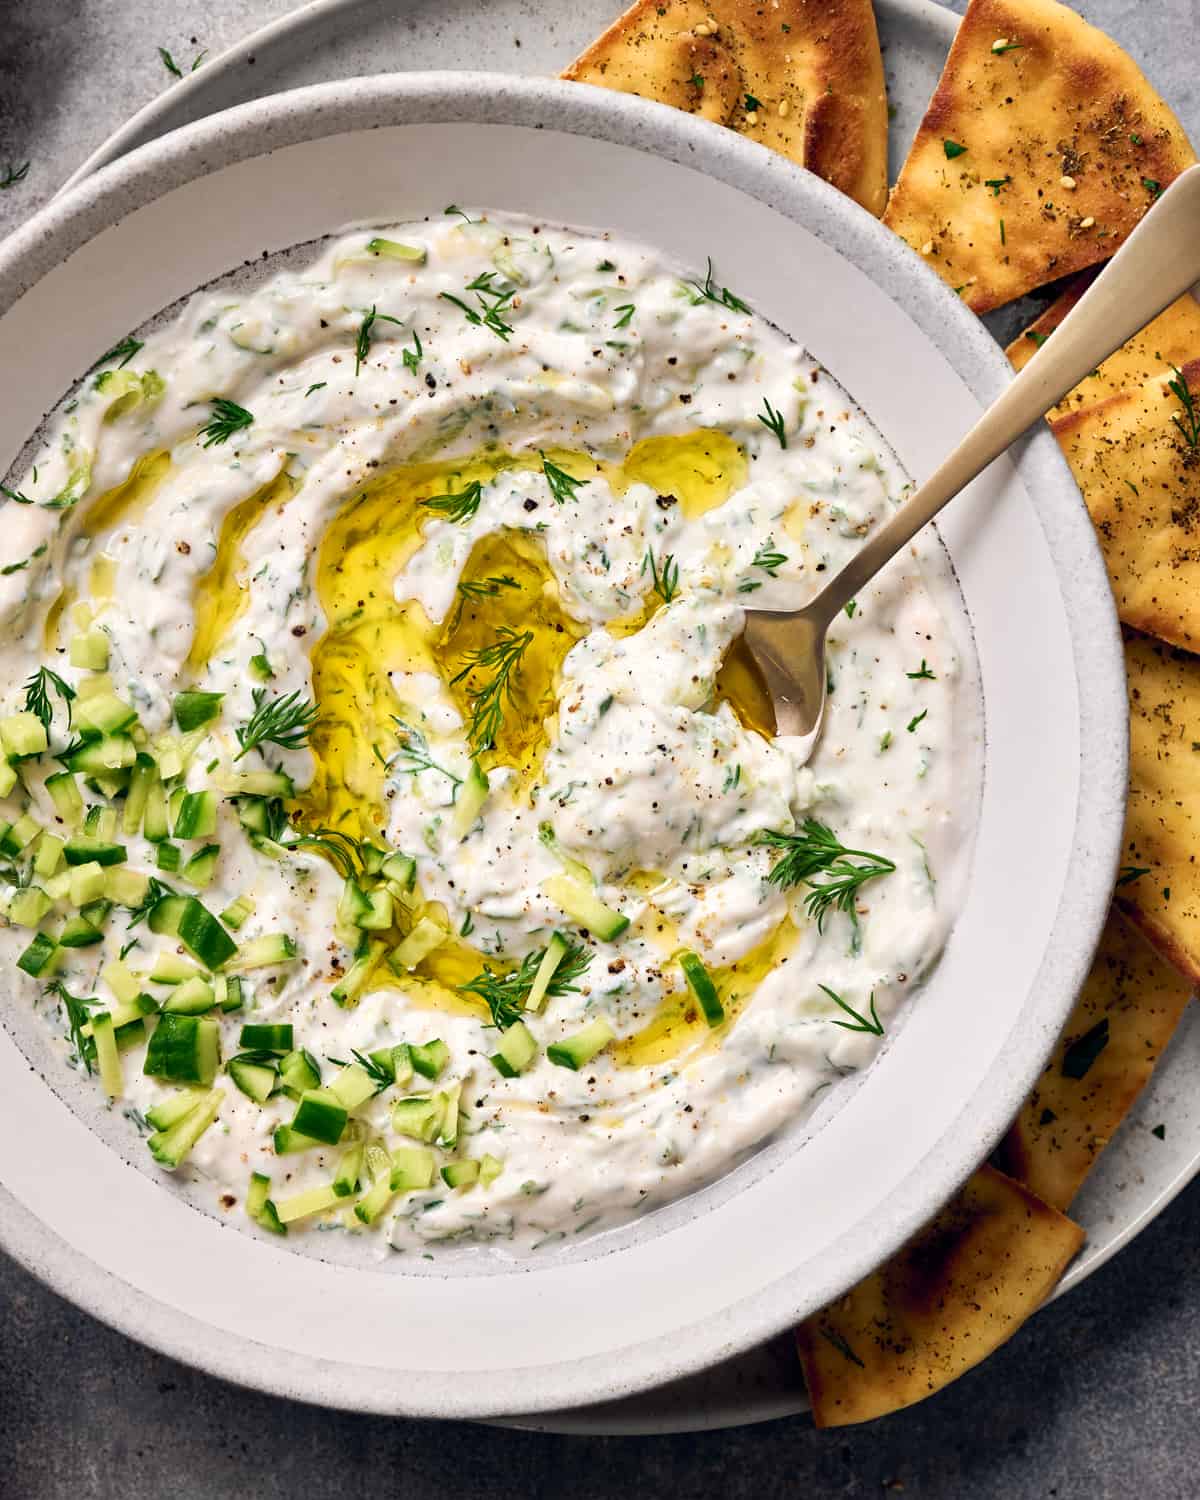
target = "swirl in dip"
x: 394, y: 826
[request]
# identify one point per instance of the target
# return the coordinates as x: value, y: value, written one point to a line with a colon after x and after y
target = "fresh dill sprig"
x: 227, y: 418
x: 76, y: 1007
x: 283, y: 721
x: 664, y: 579
x: 500, y: 661
x: 15, y: 495
x: 858, y: 1022
x: 19, y: 567
x: 412, y: 357
x: 493, y: 301
x: 457, y: 505
x: 772, y: 420
x: 922, y: 673
x: 362, y: 341
x: 487, y: 588
x: 1187, y: 421
x: 710, y: 292
x: 453, y: 208
x: 375, y: 1071
x: 815, y: 850
x: 169, y: 63
x: 342, y: 850
x: 627, y: 311
x: 414, y: 753
x: 769, y: 558
x: 505, y: 994
x: 156, y: 891
x: 120, y: 354
x: 37, y: 695
x: 562, y: 485
x: 12, y: 175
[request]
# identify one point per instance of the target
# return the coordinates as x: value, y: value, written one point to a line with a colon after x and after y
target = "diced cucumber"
x: 419, y: 1117
x: 516, y: 1050
x: 298, y: 1072
x: 132, y: 1034
x: 584, y: 907
x: 202, y: 866
x: 109, y: 784
x: 197, y: 816
x: 699, y: 982
x: 202, y: 935
x: 114, y: 752
x: 63, y: 791
x: 82, y: 849
x: 352, y: 904
x: 355, y: 979
x: 42, y: 956
x: 85, y: 883
x: 173, y: 968
x: 237, y: 912
x: 23, y: 734
x: 375, y: 1201
x: 255, y: 784
x: 372, y: 857
x: 89, y: 650
x: 101, y: 823
x: 184, y: 1049
x: 121, y: 980
x: 173, y: 1109
x: 58, y: 887
x: 419, y: 944
x: 288, y: 1141
x: 461, y: 1174
x: 170, y: 1148
x: 353, y: 1086
x: 108, y: 1059
x: 126, y: 887
x: 577, y: 1051
x: 402, y: 1068
x: 125, y: 1014
x: 430, y: 1058
x: 379, y: 914
x: 556, y: 950
x: 165, y: 915
x: 304, y: 1205
x: 265, y: 952
x: 401, y: 868
x: 468, y: 804
x: 349, y: 1170
x: 144, y: 773
x: 451, y: 1120
x: 255, y: 1079
x: 259, y: 1206
x: 412, y: 1169
x: 262, y: 1036
x: 155, y: 824
x: 78, y: 932
x: 490, y: 1167
x: 19, y: 835
x: 260, y: 667
x: 192, y: 710
x: 104, y: 713
x: 168, y: 857
x: 49, y: 855
x: 28, y: 905
x: 229, y: 993
x: 8, y: 778
x: 321, y: 1115
x: 194, y: 997
x: 394, y: 250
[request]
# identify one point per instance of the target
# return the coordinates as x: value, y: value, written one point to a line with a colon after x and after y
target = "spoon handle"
x: 1157, y: 263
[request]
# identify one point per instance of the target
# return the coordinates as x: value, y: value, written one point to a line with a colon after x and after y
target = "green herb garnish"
x: 498, y: 662
x: 710, y: 292
x: 12, y: 175
x: 505, y: 994
x: 284, y: 721
x: 412, y: 357
x: 953, y: 149
x: 362, y: 340
x: 858, y: 1022
x: 19, y: 567
x: 492, y: 302
x: 120, y: 354
x: 773, y: 422
x: 816, y: 851
x: 76, y: 1007
x: 752, y: 104
x: 456, y: 505
x: 156, y: 891
x: 37, y: 695
x: 768, y: 558
x: 922, y: 674
x: 996, y: 183
x: 1188, y: 422
x: 627, y: 311
x: 1084, y: 1050
x: 414, y: 753
x: 1129, y: 873
x: 562, y: 485
x: 227, y: 418
x: 664, y: 579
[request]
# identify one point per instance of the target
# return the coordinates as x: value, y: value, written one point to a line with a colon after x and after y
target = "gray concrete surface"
x: 1094, y: 1400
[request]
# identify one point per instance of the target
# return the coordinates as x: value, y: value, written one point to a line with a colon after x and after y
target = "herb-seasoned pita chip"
x: 1131, y: 434
x: 1126, y: 1013
x: 955, y: 1292
x: 1159, y: 884
x: 805, y: 79
x: 1040, y: 150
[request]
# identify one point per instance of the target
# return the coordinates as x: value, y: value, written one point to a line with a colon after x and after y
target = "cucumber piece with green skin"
x: 27, y: 906
x: 577, y: 1051
x: 101, y: 823
x: 401, y: 868
x: 78, y: 932
x: 585, y: 908
x: 104, y: 714
x: 255, y: 1079
x: 96, y: 912
x: 304, y: 1205
x: 63, y: 791
x: 298, y: 1072
x: 396, y: 1062
x: 155, y: 824
x: 193, y: 709
x: 197, y: 816
x: 419, y: 944
x: 699, y: 982
x: 349, y: 1170
x: 355, y: 979
x: 194, y: 997
x: 228, y: 990
x: 430, y: 1058
x: 412, y: 1169
x: 490, y: 1167
x: 202, y: 866
x: 352, y: 904
x: 19, y: 835
x: 108, y: 1059
x: 419, y: 1117
x: 266, y: 952
x: 379, y: 914
x: 375, y: 1200
x: 83, y: 849
x: 238, y: 912
x: 173, y: 968
x: 287, y: 1141
x: 23, y: 734
x: 165, y: 915
x: 109, y: 784
x: 121, y: 980
x: 257, y: 785
x: 8, y: 778
x: 170, y: 1111
x: 170, y: 1147
x: 468, y: 804
x: 556, y: 950
x: 394, y: 250
x: 461, y: 1174
x: 200, y: 933
x: 184, y: 1049
x: 89, y: 651
x: 125, y: 887
x: 451, y: 1120
x: 125, y: 1013
x: 259, y: 1206
x: 144, y: 772
x: 168, y: 858
x: 353, y: 1086
x: 85, y: 883
x: 321, y: 1116
x: 41, y: 958
x: 132, y: 1034
x: 516, y: 1051
x: 113, y: 752
x: 262, y: 1036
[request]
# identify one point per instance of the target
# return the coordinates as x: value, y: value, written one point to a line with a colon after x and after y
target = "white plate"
x: 798, y: 1224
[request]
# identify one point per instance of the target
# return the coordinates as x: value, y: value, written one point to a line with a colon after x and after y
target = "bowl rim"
x: 275, y: 121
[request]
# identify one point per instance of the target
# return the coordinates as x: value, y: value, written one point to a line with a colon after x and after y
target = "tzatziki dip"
x: 393, y: 828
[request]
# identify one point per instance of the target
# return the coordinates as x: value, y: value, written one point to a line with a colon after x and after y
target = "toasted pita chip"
x: 1159, y: 887
x: 805, y: 79
x: 1126, y: 1013
x: 952, y: 1296
x: 1128, y: 436
x: 1040, y: 150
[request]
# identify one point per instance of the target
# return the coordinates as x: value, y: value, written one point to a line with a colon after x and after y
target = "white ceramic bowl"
x: 799, y: 1223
